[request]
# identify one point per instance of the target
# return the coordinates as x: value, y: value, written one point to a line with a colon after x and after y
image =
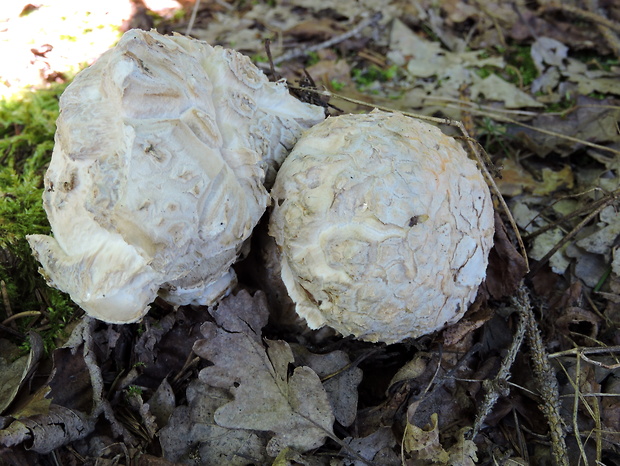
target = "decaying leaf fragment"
x: 156, y: 179
x: 193, y: 436
x: 339, y: 379
x: 270, y: 394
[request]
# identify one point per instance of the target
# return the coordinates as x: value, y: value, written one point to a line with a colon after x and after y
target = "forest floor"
x: 530, y: 375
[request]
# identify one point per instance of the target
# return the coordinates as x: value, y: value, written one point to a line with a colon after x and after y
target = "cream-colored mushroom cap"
x: 384, y: 227
x: 157, y: 173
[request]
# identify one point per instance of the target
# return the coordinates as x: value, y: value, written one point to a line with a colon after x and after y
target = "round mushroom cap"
x: 384, y: 227
x: 157, y: 174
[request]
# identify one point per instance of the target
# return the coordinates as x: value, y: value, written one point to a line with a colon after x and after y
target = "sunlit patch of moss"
x: 337, y: 85
x: 27, y: 126
x: 520, y: 57
x: 565, y: 103
x: 158, y: 19
x: 258, y: 58
x: 313, y: 58
x: 365, y: 78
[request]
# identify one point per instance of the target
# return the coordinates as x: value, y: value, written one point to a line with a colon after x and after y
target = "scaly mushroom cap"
x: 384, y: 226
x: 156, y: 177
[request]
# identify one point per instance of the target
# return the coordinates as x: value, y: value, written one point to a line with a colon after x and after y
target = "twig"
x: 192, y: 18
x: 300, y: 52
x: 576, y: 351
x: 8, y: 310
x: 591, y: 16
x: 545, y: 379
x: 493, y: 387
x: 572, y: 234
x: 20, y: 315
x: 496, y: 116
x: 575, y: 213
x: 605, y: 26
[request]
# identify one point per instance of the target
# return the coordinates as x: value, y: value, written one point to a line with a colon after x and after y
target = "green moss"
x: 27, y: 126
x: 313, y: 58
x: 366, y: 77
x: 566, y: 103
x: 520, y: 57
x: 258, y: 58
x: 337, y: 85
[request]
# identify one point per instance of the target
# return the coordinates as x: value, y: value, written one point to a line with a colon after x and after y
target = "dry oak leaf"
x: 270, y: 394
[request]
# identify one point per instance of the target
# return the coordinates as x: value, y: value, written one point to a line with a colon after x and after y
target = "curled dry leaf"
x: 269, y: 394
x: 16, y: 369
x: 156, y: 180
x: 506, y: 266
x: 46, y: 432
x: 377, y: 448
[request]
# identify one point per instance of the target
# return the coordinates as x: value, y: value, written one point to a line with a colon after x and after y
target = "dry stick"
x: 575, y: 422
x: 545, y: 379
x: 497, y: 116
x: 493, y: 387
x: 605, y: 26
x: 595, y: 18
x: 575, y: 213
x: 20, y: 315
x: 572, y: 234
x: 302, y: 51
x: 581, y: 352
x: 192, y: 18
x: 8, y: 310
x: 473, y: 146
x: 505, y: 119
x: 606, y: 31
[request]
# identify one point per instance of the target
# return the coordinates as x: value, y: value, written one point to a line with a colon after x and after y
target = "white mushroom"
x: 156, y: 178
x: 384, y: 227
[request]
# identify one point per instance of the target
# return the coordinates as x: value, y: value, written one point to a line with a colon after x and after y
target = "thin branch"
x: 302, y: 51
x: 494, y: 387
x: 192, y: 19
x: 545, y: 379
x: 571, y: 234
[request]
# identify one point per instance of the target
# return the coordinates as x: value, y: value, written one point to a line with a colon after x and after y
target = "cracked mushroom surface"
x: 384, y: 227
x: 157, y: 174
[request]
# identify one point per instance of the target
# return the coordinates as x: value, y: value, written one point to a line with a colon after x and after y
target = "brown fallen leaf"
x: 340, y: 381
x: 422, y: 443
x: 592, y: 120
x: 377, y: 448
x: 314, y: 30
x: 506, y: 266
x: 270, y: 394
x: 44, y: 433
x: 192, y: 435
x: 16, y: 370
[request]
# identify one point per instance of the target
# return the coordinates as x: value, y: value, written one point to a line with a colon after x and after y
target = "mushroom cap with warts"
x: 384, y: 227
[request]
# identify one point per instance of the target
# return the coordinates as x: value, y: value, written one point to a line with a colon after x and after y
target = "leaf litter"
x: 539, y: 90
